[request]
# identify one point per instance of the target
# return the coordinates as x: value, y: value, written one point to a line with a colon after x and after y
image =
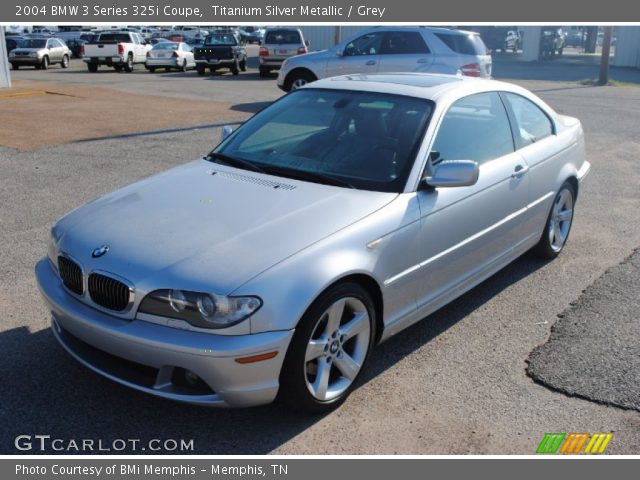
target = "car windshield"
x: 34, y: 43
x: 220, y: 39
x: 367, y: 140
x: 282, y: 37
x: 166, y: 46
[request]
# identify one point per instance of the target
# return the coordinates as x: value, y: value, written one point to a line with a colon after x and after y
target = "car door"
x: 535, y: 139
x: 361, y: 55
x: 469, y: 232
x: 54, y: 50
x: 404, y: 51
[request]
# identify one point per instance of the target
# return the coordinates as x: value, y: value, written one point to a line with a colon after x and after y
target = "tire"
x: 200, y: 69
x: 329, y: 349
x: 558, y: 225
x: 15, y: 66
x: 45, y: 63
x: 264, y: 72
x: 128, y: 66
x: 243, y: 65
x: 118, y: 68
x: 235, y: 68
x: 152, y: 69
x: 92, y: 67
x: 184, y: 65
x: 299, y: 79
x: 65, y: 62
x: 560, y: 50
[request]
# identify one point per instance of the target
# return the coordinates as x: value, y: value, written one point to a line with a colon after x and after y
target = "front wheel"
x: 45, y: 63
x: 235, y: 68
x: 558, y: 226
x: 184, y: 66
x: 300, y: 79
x: 65, y: 62
x: 15, y: 66
x: 243, y: 65
x: 329, y: 348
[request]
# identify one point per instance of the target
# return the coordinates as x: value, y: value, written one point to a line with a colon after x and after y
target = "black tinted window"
x: 220, y: 39
x: 474, y: 128
x: 115, y: 38
x: 368, y: 44
x: 404, y: 43
x: 282, y: 37
x: 532, y: 123
x: 469, y: 44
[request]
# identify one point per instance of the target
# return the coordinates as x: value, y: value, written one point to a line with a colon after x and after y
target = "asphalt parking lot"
x: 454, y: 383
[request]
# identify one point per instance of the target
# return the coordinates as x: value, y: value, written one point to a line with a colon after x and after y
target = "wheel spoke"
x: 335, y: 315
x: 321, y: 382
x: 565, y: 215
x: 315, y: 349
x: 353, y: 327
x: 347, y: 366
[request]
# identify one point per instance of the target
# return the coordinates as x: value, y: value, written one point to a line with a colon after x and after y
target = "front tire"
x: 235, y: 68
x: 45, y: 63
x: 330, y: 346
x: 558, y: 226
x: 65, y: 62
x: 92, y: 67
x: 243, y: 65
x: 299, y: 79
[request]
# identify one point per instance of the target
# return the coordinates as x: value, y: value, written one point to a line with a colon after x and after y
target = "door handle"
x: 422, y: 60
x: 520, y: 170
x: 371, y: 62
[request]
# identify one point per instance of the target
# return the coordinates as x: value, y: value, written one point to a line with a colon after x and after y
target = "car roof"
x: 421, y: 85
x: 454, y: 31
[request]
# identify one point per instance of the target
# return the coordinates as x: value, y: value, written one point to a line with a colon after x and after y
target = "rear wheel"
x: 128, y: 66
x: 152, y: 69
x: 243, y: 65
x: 200, y: 69
x: 65, y: 62
x: 329, y: 348
x: 264, y: 72
x: 117, y: 68
x: 559, y: 221
x: 235, y: 68
x: 184, y: 65
x: 92, y: 67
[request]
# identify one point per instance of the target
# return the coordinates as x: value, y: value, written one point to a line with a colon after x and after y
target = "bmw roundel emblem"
x: 100, y: 251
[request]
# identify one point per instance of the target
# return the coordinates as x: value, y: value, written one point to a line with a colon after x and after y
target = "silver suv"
x: 392, y: 49
x: 279, y: 44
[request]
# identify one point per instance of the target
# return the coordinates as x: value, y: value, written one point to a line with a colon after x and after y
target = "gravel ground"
x: 454, y: 383
x: 594, y: 349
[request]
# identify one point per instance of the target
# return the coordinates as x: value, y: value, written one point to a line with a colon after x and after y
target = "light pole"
x: 604, y: 60
x: 5, y: 76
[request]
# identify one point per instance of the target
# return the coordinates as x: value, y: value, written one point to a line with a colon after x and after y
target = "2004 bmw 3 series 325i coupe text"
x: 331, y: 220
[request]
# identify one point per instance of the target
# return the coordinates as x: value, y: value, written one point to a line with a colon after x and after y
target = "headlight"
x: 205, y: 310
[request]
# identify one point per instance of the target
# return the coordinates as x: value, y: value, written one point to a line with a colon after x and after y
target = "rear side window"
x: 474, y: 128
x: 532, y: 123
x: 465, y: 44
x: 397, y: 43
x: 282, y: 37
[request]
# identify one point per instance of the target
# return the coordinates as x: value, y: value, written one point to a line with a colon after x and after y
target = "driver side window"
x: 368, y: 44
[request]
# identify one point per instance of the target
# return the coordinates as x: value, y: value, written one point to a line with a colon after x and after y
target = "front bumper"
x: 147, y: 356
x: 26, y: 60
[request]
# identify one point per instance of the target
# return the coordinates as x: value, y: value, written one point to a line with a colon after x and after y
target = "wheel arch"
x: 288, y: 79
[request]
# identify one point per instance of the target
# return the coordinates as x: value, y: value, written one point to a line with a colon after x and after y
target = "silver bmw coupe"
x: 339, y: 215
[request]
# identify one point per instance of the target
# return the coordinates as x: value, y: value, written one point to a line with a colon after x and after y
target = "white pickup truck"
x: 120, y: 50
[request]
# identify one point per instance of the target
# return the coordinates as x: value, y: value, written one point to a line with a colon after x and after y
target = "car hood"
x: 204, y: 226
x: 26, y: 50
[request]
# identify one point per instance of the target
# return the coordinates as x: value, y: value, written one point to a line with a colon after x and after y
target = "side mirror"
x: 226, y: 131
x: 453, y: 173
x: 339, y: 52
x: 306, y: 42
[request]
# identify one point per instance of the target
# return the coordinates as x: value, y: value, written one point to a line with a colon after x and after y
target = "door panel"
x: 362, y: 55
x: 405, y: 51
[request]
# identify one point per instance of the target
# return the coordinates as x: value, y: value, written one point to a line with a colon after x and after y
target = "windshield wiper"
x: 234, y: 162
x: 306, y: 175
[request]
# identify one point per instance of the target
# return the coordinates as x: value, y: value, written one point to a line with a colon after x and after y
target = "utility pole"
x: 5, y: 76
x: 604, y: 60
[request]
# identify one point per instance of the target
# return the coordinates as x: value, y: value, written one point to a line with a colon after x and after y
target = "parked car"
x: 170, y: 55
x: 76, y: 46
x: 392, y: 49
x: 250, y: 34
x: 551, y: 41
x: 279, y: 44
x: 40, y: 53
x: 367, y: 234
x: 221, y: 50
x: 156, y: 40
x: 120, y: 50
x: 13, y: 41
